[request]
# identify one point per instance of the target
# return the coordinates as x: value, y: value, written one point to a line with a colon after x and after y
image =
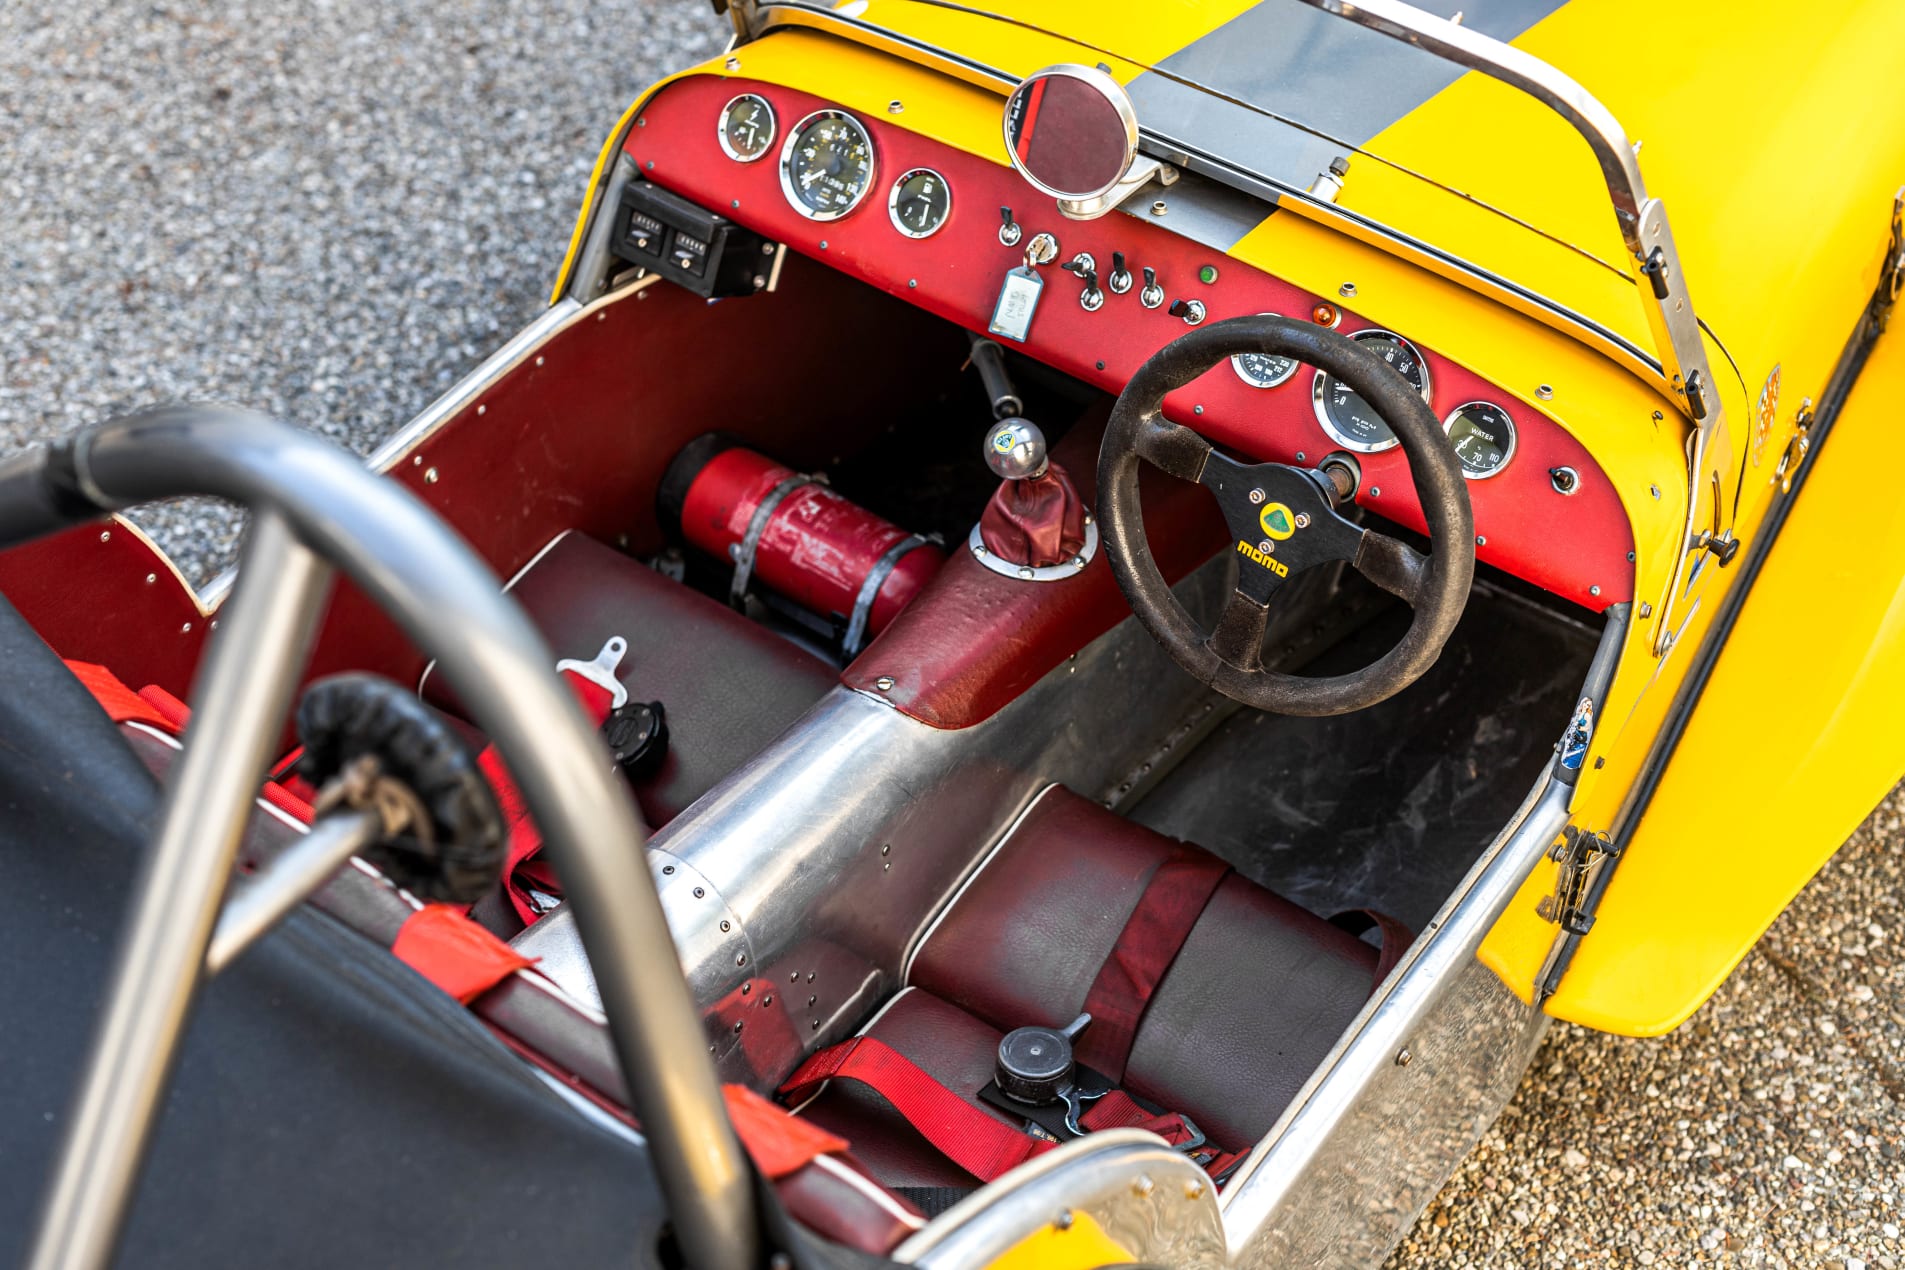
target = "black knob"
x: 1178, y: 308
x: 1150, y: 277
x: 1036, y: 1062
x: 1117, y: 264
x: 1005, y: 215
x: 1089, y: 275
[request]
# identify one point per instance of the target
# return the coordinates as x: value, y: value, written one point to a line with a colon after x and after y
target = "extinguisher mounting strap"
x: 743, y: 551
x: 870, y: 589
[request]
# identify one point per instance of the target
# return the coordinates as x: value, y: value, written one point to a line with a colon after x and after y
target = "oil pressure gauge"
x: 1346, y: 416
x: 1263, y: 370
x: 747, y: 128
x: 827, y: 165
x: 1483, y: 436
x: 919, y: 203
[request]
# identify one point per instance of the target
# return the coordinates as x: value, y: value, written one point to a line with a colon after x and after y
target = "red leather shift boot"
x: 1036, y: 522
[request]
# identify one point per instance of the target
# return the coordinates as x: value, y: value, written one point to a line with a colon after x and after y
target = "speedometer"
x: 1346, y: 416
x: 827, y: 165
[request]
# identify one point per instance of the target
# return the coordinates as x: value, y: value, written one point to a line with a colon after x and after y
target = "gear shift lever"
x: 1016, y: 451
x: 1035, y: 520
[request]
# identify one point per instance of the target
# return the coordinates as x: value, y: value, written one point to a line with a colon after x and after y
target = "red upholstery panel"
x: 1258, y: 994
x: 1024, y: 942
x: 728, y: 685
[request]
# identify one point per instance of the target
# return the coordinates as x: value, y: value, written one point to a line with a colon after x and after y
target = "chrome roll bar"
x: 1660, y: 280
x: 315, y: 507
x: 1642, y: 220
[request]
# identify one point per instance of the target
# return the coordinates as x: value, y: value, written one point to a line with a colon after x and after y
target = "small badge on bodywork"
x: 1018, y: 300
x: 1765, y: 414
x: 1574, y: 742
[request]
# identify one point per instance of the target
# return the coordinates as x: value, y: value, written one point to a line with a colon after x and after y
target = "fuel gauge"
x: 1483, y: 436
x: 919, y: 203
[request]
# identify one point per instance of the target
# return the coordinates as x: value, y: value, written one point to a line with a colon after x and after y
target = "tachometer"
x: 827, y: 165
x: 747, y: 128
x: 1263, y: 370
x: 920, y: 203
x: 1483, y: 436
x: 1346, y: 416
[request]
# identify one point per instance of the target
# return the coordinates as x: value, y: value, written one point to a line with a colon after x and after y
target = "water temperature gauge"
x: 1483, y: 436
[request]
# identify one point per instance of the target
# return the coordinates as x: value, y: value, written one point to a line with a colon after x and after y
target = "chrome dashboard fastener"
x: 1404, y: 1058
x: 1347, y: 290
x: 884, y: 683
x: 1545, y: 392
x: 895, y: 107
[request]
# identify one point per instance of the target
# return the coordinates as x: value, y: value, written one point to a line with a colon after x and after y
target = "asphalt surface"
x: 330, y: 211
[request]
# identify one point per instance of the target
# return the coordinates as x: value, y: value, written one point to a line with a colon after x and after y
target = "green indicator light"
x: 1207, y: 275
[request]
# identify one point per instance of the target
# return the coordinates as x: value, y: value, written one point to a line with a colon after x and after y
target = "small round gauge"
x: 747, y: 128
x: 1346, y: 416
x: 1483, y: 436
x: 827, y: 165
x: 1263, y: 370
x: 920, y: 202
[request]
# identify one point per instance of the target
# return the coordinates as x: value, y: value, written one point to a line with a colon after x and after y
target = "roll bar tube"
x: 449, y: 603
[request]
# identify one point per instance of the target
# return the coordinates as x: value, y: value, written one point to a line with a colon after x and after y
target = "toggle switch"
x: 1153, y: 294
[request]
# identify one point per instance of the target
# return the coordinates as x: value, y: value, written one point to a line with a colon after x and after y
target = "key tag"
x: 1018, y: 300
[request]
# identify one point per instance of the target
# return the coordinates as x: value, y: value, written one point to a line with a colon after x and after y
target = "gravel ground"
x: 332, y: 211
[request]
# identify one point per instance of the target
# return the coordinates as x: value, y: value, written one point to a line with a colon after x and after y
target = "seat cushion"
x: 728, y: 685
x: 1257, y: 995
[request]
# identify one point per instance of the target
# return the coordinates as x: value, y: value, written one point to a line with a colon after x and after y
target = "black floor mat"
x: 1388, y: 807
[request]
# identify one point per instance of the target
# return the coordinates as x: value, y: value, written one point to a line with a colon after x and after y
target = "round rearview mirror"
x: 1071, y: 131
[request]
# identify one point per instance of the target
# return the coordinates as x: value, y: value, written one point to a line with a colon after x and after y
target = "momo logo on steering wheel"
x: 1278, y: 521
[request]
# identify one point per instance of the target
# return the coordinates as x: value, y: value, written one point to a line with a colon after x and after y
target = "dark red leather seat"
x: 1256, y: 996
x: 728, y: 685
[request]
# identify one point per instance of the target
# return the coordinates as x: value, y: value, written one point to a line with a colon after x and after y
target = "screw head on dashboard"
x: 732, y: 64
x: 1545, y: 392
x: 1347, y: 290
x: 896, y: 107
x: 1159, y: 208
x: 884, y: 683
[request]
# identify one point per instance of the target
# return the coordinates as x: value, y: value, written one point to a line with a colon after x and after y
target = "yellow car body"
x: 1766, y: 730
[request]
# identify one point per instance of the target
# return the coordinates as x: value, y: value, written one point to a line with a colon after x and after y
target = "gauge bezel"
x: 787, y: 158
x: 773, y: 128
x: 1236, y: 365
x: 1319, y: 399
x: 893, y: 202
x: 1508, y: 452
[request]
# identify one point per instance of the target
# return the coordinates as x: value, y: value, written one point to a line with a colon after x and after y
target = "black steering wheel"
x: 1284, y: 520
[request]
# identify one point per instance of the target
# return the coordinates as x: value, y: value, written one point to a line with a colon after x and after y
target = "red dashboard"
x: 1577, y: 545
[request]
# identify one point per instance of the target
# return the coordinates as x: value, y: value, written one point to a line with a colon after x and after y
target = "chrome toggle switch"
x: 1153, y: 294
x: 1120, y: 280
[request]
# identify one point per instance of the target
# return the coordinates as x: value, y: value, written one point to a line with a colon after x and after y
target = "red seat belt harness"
x: 637, y: 736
